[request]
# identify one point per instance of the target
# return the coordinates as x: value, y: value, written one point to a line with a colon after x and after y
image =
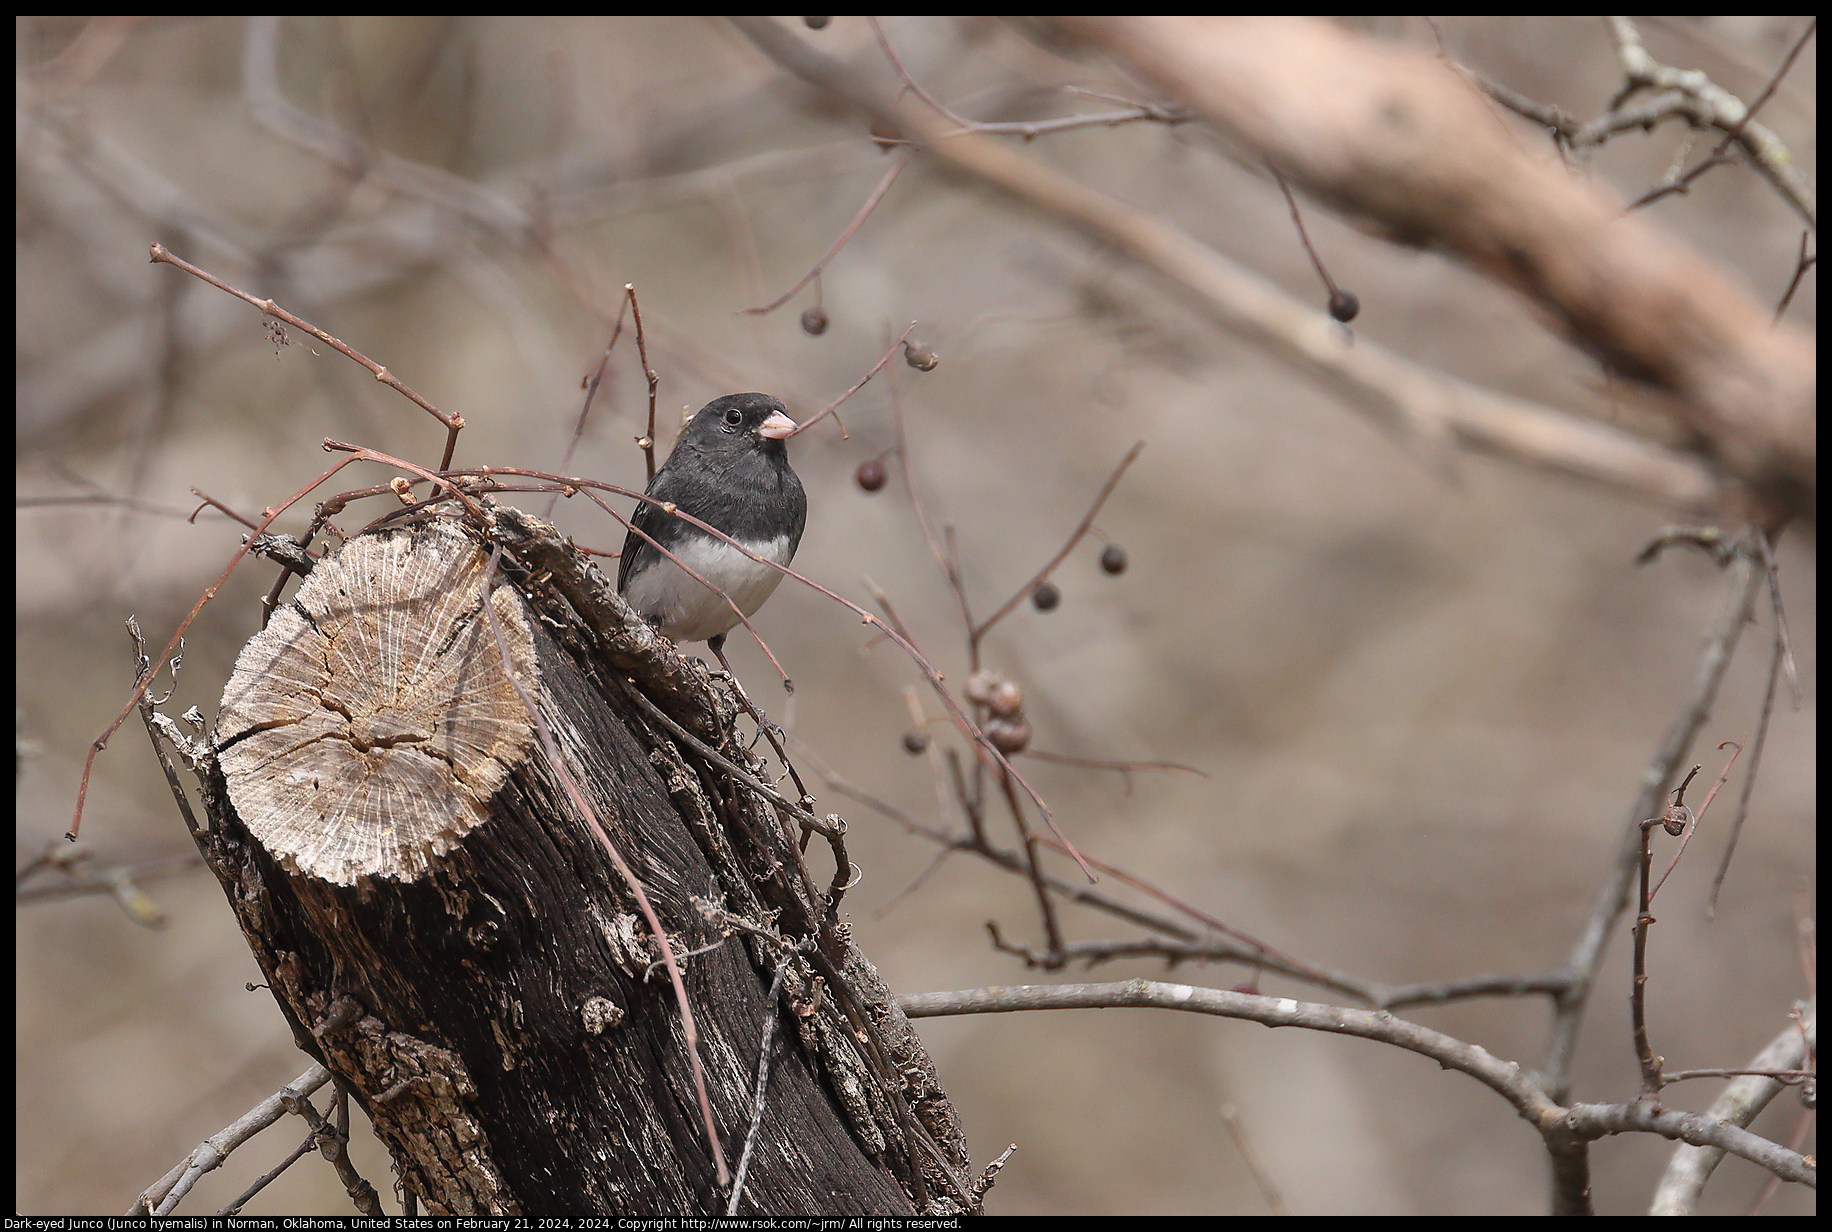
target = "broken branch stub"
x: 366, y: 728
x: 444, y: 924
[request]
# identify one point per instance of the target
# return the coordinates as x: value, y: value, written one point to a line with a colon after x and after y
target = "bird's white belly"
x: 687, y: 611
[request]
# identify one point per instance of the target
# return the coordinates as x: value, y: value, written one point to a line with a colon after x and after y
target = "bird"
x: 730, y: 469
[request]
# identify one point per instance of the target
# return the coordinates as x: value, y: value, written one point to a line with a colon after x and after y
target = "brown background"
x: 1423, y: 697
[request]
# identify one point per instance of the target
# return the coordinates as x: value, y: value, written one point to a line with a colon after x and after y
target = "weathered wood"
x: 445, y: 932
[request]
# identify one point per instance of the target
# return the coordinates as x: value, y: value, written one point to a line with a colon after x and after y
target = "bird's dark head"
x: 740, y: 421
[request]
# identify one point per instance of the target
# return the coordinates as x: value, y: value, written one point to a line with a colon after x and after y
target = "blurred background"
x: 1421, y: 697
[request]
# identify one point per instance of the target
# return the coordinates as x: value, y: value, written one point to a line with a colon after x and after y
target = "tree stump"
x: 446, y: 931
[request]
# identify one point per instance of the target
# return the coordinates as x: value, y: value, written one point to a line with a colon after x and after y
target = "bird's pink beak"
x: 777, y: 427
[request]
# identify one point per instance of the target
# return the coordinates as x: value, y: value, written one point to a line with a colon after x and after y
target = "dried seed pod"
x: 814, y: 320
x: 1007, y: 698
x: 1009, y: 736
x: 1344, y: 305
x: 1113, y: 558
x: 915, y: 742
x: 870, y: 475
x: 1045, y: 597
x: 920, y: 357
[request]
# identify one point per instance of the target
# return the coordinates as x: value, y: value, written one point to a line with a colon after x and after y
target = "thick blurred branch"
x: 1399, y: 140
x: 1415, y: 401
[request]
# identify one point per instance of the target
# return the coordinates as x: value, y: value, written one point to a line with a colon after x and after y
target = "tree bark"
x: 447, y: 932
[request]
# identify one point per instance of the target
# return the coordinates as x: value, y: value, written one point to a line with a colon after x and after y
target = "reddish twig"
x: 1802, y: 264
x: 896, y: 631
x: 1297, y: 219
x: 910, y: 81
x: 591, y: 391
x: 454, y: 423
x: 1028, y: 129
x: 1696, y: 817
x: 835, y: 404
x: 1052, y: 930
x: 647, y: 440
x: 1768, y: 91
x: 1679, y: 186
x: 980, y: 630
x: 1274, y: 1200
x: 1101, y: 763
x: 1781, y: 658
x: 101, y: 741
x: 898, y: 163
x: 949, y: 567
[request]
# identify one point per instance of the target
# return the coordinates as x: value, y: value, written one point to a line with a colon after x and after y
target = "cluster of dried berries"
x: 1007, y: 729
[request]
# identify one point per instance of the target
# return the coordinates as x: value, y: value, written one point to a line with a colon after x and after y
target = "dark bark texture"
x: 487, y: 989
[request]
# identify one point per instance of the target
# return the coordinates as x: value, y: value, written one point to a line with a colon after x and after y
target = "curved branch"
x: 1563, y: 1129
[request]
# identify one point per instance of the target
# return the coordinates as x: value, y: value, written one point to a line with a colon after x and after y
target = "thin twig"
x: 1291, y: 203
x: 591, y: 391
x: 1768, y: 91
x: 454, y: 423
x: 763, y: 1082
x: 1113, y: 480
x: 1802, y: 264
x: 1230, y: 1116
x: 1046, y: 907
x: 1586, y: 954
x: 1698, y: 816
x: 898, y: 162
x: 949, y: 567
x: 835, y: 404
x: 910, y: 81
x: 1749, y: 786
x: 101, y: 741
x: 647, y: 440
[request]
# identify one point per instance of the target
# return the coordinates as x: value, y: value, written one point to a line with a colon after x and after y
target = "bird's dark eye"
x: 733, y: 416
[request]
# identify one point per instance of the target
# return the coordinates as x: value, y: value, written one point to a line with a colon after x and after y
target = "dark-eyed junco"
x: 730, y: 469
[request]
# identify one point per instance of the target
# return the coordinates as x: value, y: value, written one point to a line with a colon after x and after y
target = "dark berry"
x: 1113, y: 558
x: 816, y: 23
x: 1344, y: 305
x: 814, y: 321
x: 914, y: 742
x: 1046, y: 596
x: 870, y: 475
